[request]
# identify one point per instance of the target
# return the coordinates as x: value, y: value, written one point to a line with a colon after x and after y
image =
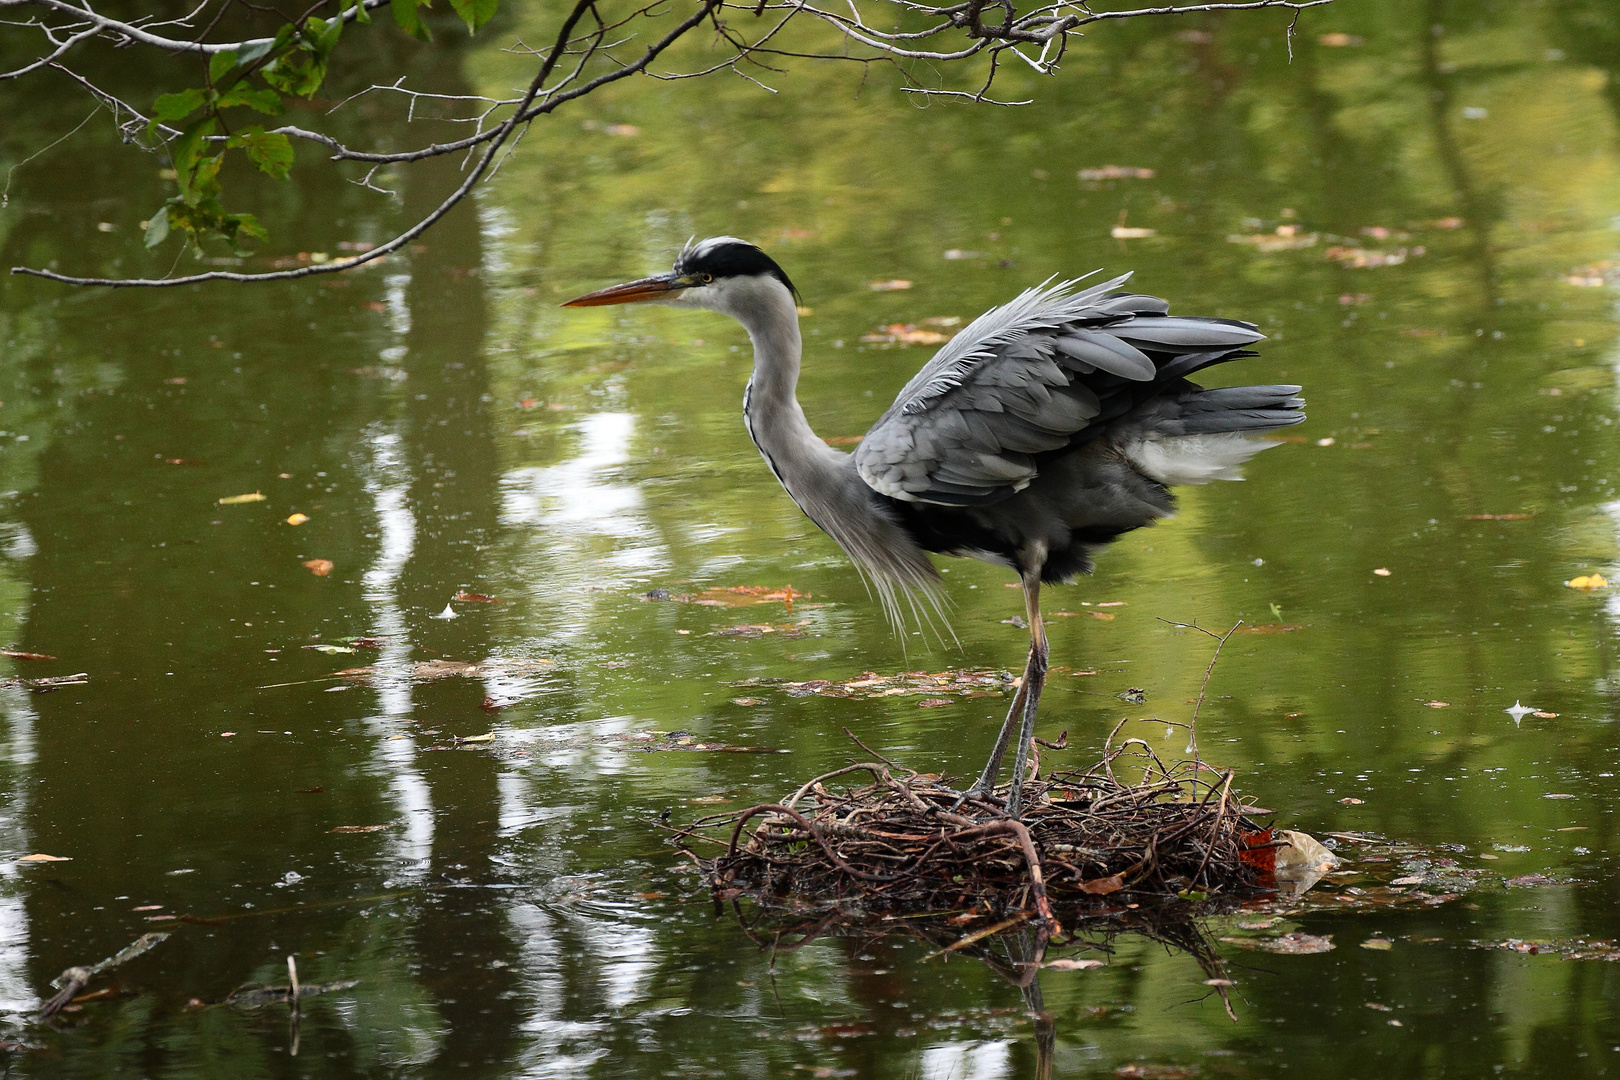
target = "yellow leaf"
x: 297, y: 519
x: 235, y: 500
x: 1595, y: 581
x: 45, y: 858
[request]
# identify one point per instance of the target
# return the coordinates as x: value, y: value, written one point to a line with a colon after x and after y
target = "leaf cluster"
x: 293, y: 63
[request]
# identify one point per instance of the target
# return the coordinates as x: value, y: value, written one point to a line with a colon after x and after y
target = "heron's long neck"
x: 775, y: 421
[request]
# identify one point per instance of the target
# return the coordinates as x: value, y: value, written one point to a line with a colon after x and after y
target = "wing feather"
x: 1028, y: 378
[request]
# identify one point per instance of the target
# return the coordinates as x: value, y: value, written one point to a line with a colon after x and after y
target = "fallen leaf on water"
x: 1270, y: 628
x: 934, y: 702
x: 1127, y: 232
x: 1529, y: 880
x: 180, y: 461
x: 1260, y: 924
x: 1381, y: 944
x: 1355, y: 258
x: 1105, y: 616
x: 1072, y: 965
x: 1558, y: 796
x: 1410, y: 879
x: 46, y: 858
x: 18, y: 655
x: 474, y: 597
x: 710, y: 800
x: 1135, y: 1071
x: 428, y: 670
x: 1379, y: 1008
x: 747, y: 702
x: 1545, y: 715
x: 361, y: 828
x: 486, y: 737
x: 178, y: 380
x: 1350, y: 801
x: 1116, y: 172
x: 319, y: 567
x: 891, y: 285
x: 297, y: 519
x: 329, y: 648
x: 1103, y: 886
x: 1287, y: 944
x: 1584, y: 581
x: 904, y: 334
x: 1438, y: 704
x: 1383, y: 571
x: 235, y: 500
x: 1110, y: 603
x: 756, y: 630
x: 148, y: 907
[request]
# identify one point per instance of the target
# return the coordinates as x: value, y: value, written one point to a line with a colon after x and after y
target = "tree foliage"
x: 952, y: 51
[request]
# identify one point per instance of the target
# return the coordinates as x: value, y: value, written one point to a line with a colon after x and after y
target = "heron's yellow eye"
x: 706, y: 278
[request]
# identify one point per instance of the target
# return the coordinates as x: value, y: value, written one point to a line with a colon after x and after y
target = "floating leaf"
x: 1117, y: 172
x: 1072, y: 965
x: 1584, y: 581
x: 474, y: 597
x: 891, y: 285
x: 1287, y: 944
x: 45, y: 858
x: 16, y: 655
x: 297, y: 519
x: 237, y: 500
x: 319, y: 567
x: 361, y: 828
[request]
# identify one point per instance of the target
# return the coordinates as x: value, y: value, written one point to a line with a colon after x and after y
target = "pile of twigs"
x: 896, y: 843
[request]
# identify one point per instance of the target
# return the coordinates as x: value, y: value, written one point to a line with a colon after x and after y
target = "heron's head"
x: 721, y: 274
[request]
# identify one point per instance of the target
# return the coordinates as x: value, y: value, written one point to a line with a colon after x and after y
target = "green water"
x: 445, y: 426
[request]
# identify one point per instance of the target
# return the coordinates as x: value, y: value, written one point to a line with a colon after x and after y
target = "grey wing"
x: 1025, y: 379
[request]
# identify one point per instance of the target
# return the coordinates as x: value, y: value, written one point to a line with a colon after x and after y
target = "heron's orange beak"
x: 658, y: 287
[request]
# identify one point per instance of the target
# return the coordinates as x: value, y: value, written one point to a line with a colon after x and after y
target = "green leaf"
x: 360, y: 13
x: 253, y: 50
x: 265, y: 101
x: 186, y: 151
x: 409, y: 21
x: 297, y: 72
x: 220, y: 65
x: 157, y: 229
x: 171, y: 107
x: 326, y: 36
x: 237, y: 224
x: 474, y: 13
x: 271, y: 152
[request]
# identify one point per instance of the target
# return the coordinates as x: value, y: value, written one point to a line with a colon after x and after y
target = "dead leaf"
x: 319, y: 567
x: 237, y: 500
x: 1594, y: 581
x: 1116, y: 172
x: 1546, y: 715
x: 1287, y: 945
x: 1135, y: 1071
x: 1383, y: 571
x: 466, y: 597
x: 1351, y: 801
x: 45, y: 858
x: 1528, y: 880
x: 892, y: 285
x: 904, y: 334
x: 934, y: 703
x: 1126, y: 232
x: 747, y: 702
x: 180, y: 461
x: 17, y: 655
x: 361, y: 828
x: 297, y: 519
x: 1103, y: 886
x: 1438, y: 704
x: 1303, y: 855
x: 1558, y: 796
x: 1378, y: 943
x: 1105, y: 616
x: 1072, y: 965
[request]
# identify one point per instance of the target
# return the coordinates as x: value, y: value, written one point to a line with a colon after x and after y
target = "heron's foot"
x: 979, y: 793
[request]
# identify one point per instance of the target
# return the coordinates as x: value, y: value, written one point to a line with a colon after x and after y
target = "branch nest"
x: 896, y: 845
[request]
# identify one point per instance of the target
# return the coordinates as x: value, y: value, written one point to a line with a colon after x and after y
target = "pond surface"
x: 1423, y: 215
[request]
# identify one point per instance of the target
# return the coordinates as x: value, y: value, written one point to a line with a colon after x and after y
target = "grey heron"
x: 1044, y: 429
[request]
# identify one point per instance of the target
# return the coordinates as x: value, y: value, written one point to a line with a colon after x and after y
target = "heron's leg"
x: 1034, y: 681
x: 986, y: 783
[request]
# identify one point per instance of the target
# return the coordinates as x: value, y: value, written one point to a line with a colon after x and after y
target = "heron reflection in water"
x: 1044, y: 429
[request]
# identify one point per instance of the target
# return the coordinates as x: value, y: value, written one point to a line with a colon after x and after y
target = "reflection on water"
x: 1422, y: 222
